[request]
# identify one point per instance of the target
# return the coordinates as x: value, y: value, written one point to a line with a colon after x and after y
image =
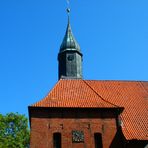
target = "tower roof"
x: 69, y: 41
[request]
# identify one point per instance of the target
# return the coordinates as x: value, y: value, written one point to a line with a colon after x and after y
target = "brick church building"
x: 80, y: 113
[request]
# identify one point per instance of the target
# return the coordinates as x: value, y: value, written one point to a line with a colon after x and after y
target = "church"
x: 79, y: 113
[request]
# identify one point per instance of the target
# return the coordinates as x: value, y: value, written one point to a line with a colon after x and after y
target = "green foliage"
x: 14, y: 132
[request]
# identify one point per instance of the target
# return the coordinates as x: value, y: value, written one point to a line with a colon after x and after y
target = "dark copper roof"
x: 69, y: 42
x: 132, y: 95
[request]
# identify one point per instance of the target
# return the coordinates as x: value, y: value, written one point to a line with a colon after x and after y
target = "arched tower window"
x: 57, y: 140
x: 98, y: 140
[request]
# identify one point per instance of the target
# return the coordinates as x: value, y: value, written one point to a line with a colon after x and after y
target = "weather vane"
x: 68, y: 7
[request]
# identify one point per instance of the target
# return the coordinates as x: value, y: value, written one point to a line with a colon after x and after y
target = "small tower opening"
x: 98, y: 140
x: 57, y: 140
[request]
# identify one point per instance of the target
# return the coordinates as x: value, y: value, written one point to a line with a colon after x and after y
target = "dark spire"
x: 70, y: 56
x: 69, y: 41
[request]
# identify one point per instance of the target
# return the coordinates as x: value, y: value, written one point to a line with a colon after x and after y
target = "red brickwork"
x: 45, y: 123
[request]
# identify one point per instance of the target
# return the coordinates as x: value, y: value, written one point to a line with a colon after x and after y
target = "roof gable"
x: 132, y: 95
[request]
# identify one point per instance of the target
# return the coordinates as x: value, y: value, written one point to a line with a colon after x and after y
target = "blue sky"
x: 113, y: 35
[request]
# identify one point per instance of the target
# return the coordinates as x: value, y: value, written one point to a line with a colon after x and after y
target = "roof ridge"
x: 99, y: 94
x: 116, y: 80
x: 143, y: 87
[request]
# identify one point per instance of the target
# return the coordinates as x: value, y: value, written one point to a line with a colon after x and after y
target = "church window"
x: 57, y: 140
x: 98, y: 140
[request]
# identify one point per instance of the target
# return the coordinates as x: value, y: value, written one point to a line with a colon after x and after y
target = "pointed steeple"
x: 70, y: 56
x: 69, y: 41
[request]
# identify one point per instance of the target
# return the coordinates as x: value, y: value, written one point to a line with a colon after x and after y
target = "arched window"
x: 98, y: 140
x: 57, y: 140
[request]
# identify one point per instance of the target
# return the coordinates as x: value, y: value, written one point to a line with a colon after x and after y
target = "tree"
x: 14, y: 131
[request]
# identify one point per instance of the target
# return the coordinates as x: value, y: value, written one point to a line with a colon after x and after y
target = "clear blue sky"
x: 113, y: 35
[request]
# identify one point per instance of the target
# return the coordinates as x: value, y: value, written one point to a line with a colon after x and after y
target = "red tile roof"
x: 132, y: 95
x: 74, y: 94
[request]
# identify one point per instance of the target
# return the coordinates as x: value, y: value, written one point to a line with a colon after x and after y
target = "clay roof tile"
x: 132, y: 95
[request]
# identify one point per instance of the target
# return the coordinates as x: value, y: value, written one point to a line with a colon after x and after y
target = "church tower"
x: 80, y: 113
x: 70, y: 56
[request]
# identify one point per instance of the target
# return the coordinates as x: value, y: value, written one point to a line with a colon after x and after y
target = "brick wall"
x: 46, y: 122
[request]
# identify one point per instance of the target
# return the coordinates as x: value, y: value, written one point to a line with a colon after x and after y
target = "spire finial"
x: 68, y: 7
